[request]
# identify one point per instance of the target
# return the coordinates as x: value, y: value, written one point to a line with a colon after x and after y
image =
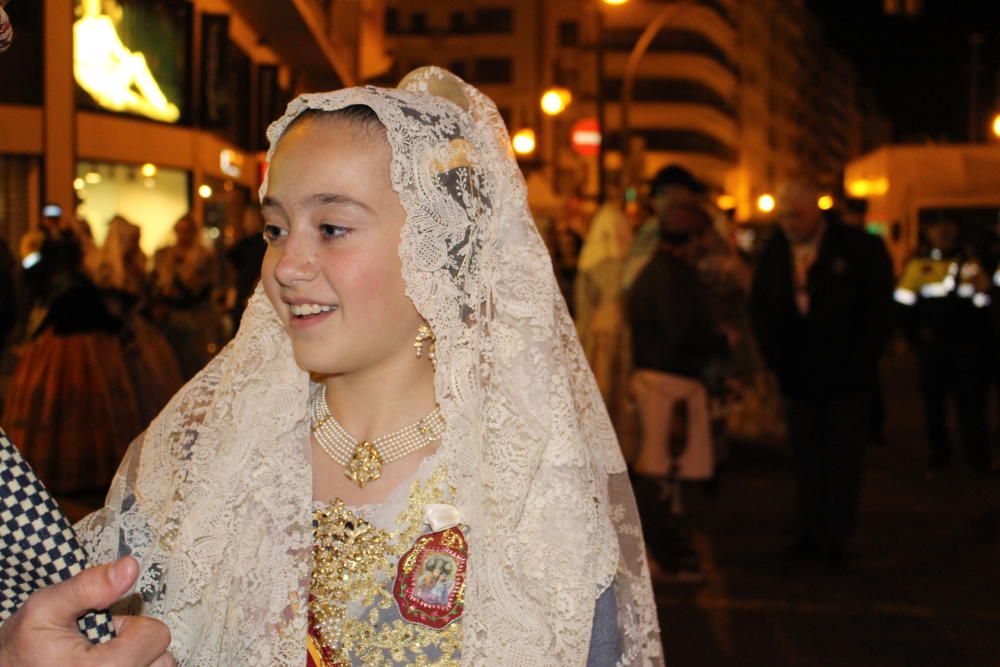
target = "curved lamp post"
x: 632, y: 67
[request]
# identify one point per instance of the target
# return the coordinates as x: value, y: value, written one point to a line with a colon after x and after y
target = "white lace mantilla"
x: 215, y: 500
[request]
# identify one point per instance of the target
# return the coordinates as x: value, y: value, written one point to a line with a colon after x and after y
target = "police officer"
x: 944, y: 294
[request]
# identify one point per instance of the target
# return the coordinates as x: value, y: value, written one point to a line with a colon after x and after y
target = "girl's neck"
x: 383, y: 399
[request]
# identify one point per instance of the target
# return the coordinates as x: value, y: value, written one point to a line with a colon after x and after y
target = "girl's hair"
x: 359, y: 115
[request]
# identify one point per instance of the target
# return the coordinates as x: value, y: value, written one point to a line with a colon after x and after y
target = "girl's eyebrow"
x: 319, y: 199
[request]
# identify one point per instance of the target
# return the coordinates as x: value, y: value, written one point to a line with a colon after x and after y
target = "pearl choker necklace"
x: 363, y: 460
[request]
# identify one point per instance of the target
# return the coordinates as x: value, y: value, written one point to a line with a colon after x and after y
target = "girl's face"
x: 332, y: 268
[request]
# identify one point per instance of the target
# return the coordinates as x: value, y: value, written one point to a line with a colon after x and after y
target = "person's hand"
x: 44, y: 632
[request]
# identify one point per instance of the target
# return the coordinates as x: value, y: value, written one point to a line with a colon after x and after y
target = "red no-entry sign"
x: 586, y: 137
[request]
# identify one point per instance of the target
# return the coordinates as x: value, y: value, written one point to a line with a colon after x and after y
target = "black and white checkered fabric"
x: 37, y: 545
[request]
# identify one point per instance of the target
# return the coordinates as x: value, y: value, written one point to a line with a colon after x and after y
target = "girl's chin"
x: 317, y: 368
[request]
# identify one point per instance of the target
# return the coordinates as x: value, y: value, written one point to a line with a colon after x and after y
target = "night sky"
x: 918, y: 68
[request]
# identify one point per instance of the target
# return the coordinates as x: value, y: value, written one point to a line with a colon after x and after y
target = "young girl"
x: 409, y: 397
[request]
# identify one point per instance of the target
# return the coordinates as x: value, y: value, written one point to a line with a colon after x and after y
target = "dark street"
x: 921, y: 588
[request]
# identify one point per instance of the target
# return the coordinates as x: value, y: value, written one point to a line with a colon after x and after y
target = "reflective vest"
x: 939, y: 277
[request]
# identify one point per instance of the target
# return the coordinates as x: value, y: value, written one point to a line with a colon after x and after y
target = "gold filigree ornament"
x: 365, y: 464
x: 347, y: 551
x: 353, y: 615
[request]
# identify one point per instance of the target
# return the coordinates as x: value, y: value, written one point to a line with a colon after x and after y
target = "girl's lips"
x: 309, y: 320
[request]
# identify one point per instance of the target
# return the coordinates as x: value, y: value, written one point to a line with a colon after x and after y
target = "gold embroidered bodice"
x: 352, y: 612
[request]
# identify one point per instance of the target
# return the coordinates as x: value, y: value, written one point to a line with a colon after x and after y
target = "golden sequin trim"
x: 354, y: 562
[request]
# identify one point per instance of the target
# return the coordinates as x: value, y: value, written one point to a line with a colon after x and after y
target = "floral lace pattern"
x: 527, y: 445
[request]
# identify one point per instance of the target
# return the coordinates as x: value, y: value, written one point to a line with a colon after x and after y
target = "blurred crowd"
x: 699, y: 338
x: 98, y: 338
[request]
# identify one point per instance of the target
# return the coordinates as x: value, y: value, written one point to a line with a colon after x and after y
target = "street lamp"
x: 765, y: 203
x: 524, y: 142
x: 665, y: 17
x: 825, y: 203
x: 996, y: 126
x: 555, y: 100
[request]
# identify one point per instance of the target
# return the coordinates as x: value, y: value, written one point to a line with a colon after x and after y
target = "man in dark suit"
x: 821, y: 308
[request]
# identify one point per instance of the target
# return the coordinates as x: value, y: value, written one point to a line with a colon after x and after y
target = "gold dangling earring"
x: 425, y: 335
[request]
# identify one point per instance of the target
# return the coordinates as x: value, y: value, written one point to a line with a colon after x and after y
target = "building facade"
x: 153, y: 109
x: 741, y: 92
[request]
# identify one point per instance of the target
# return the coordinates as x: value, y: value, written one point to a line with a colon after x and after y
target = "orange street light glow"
x: 524, y: 142
x: 555, y: 101
x: 726, y: 202
x: 996, y: 125
x: 825, y: 202
x: 765, y: 203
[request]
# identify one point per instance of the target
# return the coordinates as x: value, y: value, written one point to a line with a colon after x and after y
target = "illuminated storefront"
x: 149, y: 196
x: 93, y: 91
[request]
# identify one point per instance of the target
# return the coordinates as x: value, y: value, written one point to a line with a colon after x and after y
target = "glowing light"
x: 148, y: 170
x: 726, y: 202
x: 79, y: 184
x: 615, y: 2
x: 866, y: 188
x: 555, y: 101
x: 765, y: 203
x: 825, y: 202
x: 996, y: 125
x: 118, y: 78
x: 231, y: 163
x: 92, y: 177
x: 905, y: 296
x: 204, y: 191
x: 31, y: 259
x: 524, y: 142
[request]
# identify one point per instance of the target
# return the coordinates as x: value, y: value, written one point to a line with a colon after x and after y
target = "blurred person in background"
x: 853, y: 212
x: 726, y: 277
x: 246, y: 255
x: 674, y: 339
x: 125, y: 285
x: 599, y: 311
x: 38, y: 266
x: 671, y: 186
x: 567, y: 234
x: 184, y: 276
x: 71, y: 408
x: 944, y: 296
x: 821, y: 311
